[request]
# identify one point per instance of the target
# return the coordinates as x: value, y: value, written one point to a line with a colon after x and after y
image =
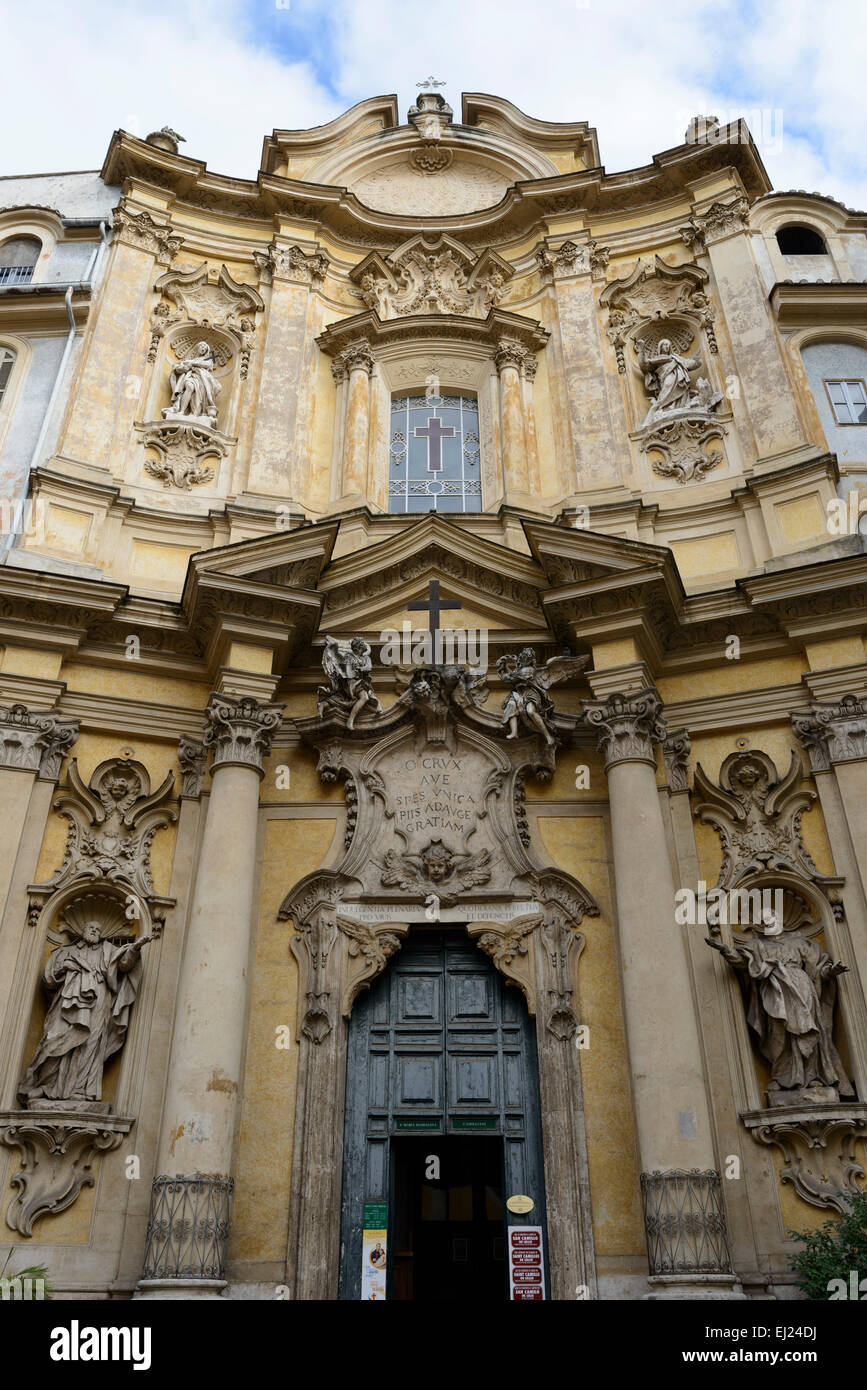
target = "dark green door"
x: 442, y: 1121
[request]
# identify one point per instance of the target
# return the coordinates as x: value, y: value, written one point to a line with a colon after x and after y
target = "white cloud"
x: 226, y: 72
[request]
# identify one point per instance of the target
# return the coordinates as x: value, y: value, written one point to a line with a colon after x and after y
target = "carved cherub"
x: 439, y: 865
x: 528, y: 701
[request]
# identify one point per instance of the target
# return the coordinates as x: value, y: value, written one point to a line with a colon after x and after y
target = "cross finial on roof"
x: 430, y: 82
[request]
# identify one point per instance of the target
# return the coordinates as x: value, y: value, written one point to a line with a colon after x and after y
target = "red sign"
x: 524, y: 1235
x: 526, y: 1275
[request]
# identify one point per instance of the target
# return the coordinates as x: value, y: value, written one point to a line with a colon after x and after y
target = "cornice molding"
x: 800, y: 305
x: 367, y: 328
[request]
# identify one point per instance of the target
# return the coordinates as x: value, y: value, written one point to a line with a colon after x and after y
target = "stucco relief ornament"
x: 757, y: 816
x: 432, y: 276
x: 682, y: 445
x: 528, y: 702
x: 434, y: 692
x: 719, y: 220
x: 349, y: 692
x: 140, y: 230
x: 437, y: 868
x: 791, y: 995
x: 182, y: 451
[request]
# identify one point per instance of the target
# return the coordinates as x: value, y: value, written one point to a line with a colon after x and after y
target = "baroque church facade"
x: 433, y: 716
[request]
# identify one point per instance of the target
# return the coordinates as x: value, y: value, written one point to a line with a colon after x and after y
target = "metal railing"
x: 685, y: 1222
x: 188, y: 1230
x: 16, y: 274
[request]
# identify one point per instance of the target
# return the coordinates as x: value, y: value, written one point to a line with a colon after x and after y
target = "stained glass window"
x: 434, y: 461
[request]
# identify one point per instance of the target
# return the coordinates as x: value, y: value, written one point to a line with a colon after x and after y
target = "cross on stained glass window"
x: 434, y: 456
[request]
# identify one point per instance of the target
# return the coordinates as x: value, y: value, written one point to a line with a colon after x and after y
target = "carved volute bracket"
x: 57, y: 1153
x: 818, y: 1146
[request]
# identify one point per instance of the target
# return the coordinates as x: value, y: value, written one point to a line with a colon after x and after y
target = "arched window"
x: 434, y: 454
x: 7, y: 362
x: 798, y: 240
x: 18, y: 258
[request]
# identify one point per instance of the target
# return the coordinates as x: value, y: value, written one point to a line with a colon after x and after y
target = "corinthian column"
x: 680, y: 1185
x: 358, y: 362
x: 190, y: 1209
x: 508, y: 360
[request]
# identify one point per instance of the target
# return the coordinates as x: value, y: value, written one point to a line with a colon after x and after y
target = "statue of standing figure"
x: 348, y: 666
x: 792, y: 990
x: 95, y: 982
x: 194, y: 386
x: 667, y: 380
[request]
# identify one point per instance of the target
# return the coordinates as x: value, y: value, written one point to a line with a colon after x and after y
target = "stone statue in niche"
x: 667, y: 380
x: 194, y: 387
x: 95, y: 982
x: 791, y: 992
x: 348, y: 666
x: 528, y: 702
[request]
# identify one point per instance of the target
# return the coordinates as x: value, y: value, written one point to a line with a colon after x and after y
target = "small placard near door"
x: 374, y: 1247
x: 526, y: 1266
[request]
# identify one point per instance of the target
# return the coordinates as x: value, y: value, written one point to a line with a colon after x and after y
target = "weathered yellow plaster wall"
x: 577, y: 844
x: 260, y: 1227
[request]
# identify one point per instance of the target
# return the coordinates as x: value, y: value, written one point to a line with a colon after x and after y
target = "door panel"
x: 439, y: 1047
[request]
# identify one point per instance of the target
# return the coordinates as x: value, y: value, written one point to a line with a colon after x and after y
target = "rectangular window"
x: 434, y: 457
x: 848, y: 401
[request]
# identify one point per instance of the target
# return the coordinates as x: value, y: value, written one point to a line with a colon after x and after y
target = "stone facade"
x: 226, y: 737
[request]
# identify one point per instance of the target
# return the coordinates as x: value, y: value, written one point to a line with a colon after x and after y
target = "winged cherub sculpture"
x: 528, y: 701
x: 450, y: 872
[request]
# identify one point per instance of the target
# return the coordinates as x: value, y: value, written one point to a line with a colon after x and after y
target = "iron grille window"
x: 434, y: 461
x: 848, y: 401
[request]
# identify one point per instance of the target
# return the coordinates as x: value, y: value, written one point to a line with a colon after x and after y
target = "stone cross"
x: 433, y: 605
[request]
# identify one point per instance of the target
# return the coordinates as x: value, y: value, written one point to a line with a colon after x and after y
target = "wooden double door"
x: 442, y: 1122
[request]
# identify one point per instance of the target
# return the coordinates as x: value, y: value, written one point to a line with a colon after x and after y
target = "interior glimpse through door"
x: 448, y: 1231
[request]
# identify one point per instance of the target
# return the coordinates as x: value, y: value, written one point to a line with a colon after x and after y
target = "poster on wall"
x: 374, y: 1252
x: 526, y: 1267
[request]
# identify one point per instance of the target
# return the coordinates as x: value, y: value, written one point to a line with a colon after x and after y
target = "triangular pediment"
x: 497, y: 587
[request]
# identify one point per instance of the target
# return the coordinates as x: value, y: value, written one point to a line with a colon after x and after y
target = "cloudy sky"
x: 226, y: 72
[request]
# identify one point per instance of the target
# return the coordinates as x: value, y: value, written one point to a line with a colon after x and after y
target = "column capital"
x: 833, y: 733
x: 509, y: 354
x: 356, y: 358
x: 240, y: 731
x: 627, y: 726
x: 35, y: 741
